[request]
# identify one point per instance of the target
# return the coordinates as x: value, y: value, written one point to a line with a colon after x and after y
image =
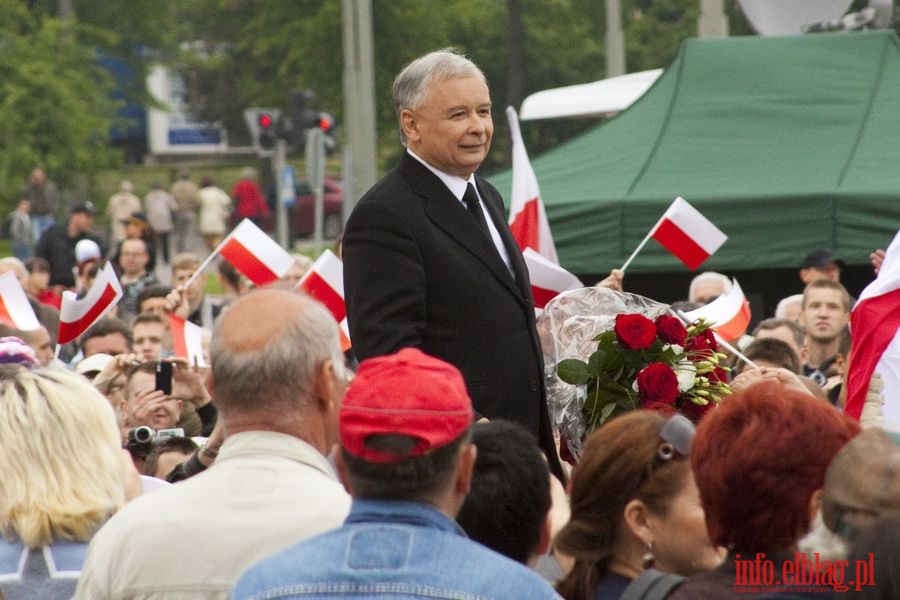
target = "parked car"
x: 304, y: 211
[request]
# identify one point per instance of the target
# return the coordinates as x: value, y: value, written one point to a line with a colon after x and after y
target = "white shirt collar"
x: 456, y: 185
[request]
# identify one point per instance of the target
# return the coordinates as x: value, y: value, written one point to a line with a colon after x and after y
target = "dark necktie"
x: 474, y: 208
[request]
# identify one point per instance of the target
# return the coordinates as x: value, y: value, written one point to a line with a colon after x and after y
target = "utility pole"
x: 359, y: 102
x: 712, y: 22
x: 615, y: 39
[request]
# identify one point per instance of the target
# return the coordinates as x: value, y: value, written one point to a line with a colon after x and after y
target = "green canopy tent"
x: 785, y: 143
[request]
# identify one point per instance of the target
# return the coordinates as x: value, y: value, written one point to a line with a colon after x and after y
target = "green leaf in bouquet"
x: 615, y: 386
x: 607, y: 337
x: 596, y: 362
x: 626, y: 402
x: 606, y: 411
x: 574, y: 371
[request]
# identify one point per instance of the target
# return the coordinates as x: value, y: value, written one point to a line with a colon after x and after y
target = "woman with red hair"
x: 759, y: 460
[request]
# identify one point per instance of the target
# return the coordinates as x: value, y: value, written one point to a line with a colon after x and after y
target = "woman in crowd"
x: 215, y: 208
x: 248, y: 199
x: 63, y: 475
x: 634, y: 505
x: 759, y: 460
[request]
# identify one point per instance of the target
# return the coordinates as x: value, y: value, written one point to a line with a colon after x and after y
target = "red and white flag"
x: 548, y: 279
x: 187, y: 341
x: 325, y: 282
x: 76, y: 316
x: 255, y: 254
x: 729, y: 314
x: 687, y: 234
x: 527, y: 218
x: 15, y: 310
x: 874, y: 324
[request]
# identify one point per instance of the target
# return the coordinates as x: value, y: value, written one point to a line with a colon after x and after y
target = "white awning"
x: 600, y: 98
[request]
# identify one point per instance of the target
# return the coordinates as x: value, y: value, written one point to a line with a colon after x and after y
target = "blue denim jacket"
x: 391, y: 550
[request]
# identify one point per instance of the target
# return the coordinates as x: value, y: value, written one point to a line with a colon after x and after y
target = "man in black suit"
x: 428, y: 265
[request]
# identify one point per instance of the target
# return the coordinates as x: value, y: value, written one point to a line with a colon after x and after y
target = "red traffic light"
x: 265, y: 120
x: 325, y: 122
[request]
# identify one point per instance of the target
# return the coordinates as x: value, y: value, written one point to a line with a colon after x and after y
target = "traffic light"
x: 302, y: 116
x: 263, y: 124
x: 266, y: 121
x: 325, y: 123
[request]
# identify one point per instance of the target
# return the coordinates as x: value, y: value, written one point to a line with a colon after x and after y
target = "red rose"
x: 657, y: 383
x: 635, y: 332
x: 670, y: 330
x: 703, y: 341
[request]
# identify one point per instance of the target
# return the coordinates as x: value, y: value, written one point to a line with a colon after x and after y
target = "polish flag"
x: 687, y: 234
x: 255, y: 254
x: 15, y: 310
x: 729, y: 313
x: 874, y: 323
x: 527, y: 218
x: 548, y: 279
x: 187, y: 340
x: 76, y: 316
x: 325, y: 282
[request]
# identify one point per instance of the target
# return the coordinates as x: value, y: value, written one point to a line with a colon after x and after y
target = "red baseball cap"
x: 408, y: 393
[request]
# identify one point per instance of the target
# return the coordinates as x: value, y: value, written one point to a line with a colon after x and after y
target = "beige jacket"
x: 266, y: 491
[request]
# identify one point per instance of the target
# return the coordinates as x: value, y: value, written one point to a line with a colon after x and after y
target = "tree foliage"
x: 55, y: 108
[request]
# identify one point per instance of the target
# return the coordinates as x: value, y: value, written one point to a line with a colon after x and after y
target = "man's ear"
x: 409, y: 124
x: 465, y: 467
x: 815, y: 503
x: 635, y: 516
x: 326, y: 388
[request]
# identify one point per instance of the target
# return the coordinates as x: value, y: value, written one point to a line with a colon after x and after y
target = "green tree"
x: 55, y: 108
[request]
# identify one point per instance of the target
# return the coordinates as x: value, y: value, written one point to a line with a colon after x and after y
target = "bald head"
x: 266, y: 349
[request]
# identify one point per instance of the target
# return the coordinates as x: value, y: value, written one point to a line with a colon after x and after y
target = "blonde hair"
x: 60, y: 457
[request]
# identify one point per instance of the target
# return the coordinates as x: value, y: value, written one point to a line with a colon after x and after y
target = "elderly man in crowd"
x: 407, y: 457
x: 271, y: 484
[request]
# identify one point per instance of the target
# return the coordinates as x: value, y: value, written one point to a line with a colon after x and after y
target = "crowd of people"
x: 166, y: 219
x: 421, y: 464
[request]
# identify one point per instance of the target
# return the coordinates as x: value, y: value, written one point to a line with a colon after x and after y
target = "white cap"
x: 86, y: 250
x: 93, y: 363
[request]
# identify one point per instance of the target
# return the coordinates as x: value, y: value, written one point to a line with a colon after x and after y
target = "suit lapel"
x: 446, y: 212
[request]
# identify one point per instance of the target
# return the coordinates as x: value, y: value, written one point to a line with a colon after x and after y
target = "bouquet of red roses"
x: 648, y: 363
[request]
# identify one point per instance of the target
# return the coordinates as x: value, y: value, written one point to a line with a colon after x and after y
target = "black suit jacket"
x: 419, y: 272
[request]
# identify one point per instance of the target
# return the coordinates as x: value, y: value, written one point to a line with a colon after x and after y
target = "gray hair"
x: 784, y: 303
x: 411, y: 85
x: 708, y: 276
x: 280, y: 372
